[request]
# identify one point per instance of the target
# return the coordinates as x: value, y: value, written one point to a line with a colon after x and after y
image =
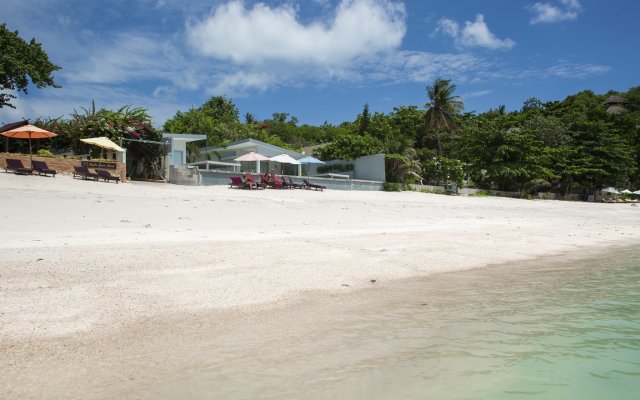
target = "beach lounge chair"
x: 41, y: 168
x: 252, y: 181
x: 277, y: 183
x: 238, y: 182
x: 290, y: 184
x: 107, y: 176
x: 82, y: 171
x: 17, y: 167
x: 309, y: 185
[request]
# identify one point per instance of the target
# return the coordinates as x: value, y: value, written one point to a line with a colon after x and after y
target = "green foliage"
x: 433, y: 191
x: 20, y: 61
x: 503, y: 157
x: 217, y: 118
x: 363, y: 121
x: 441, y: 109
x: 392, y: 187
x: 350, y: 147
x: 403, y: 168
x: 44, y: 153
x: 439, y: 170
x: 481, y: 193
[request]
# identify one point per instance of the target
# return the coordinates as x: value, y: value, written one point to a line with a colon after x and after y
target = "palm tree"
x: 442, y: 107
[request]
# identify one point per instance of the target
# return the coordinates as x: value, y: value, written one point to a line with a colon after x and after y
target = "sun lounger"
x: 290, y: 184
x: 41, y: 168
x: 82, y: 171
x: 277, y: 182
x: 252, y: 181
x: 309, y: 185
x: 107, y: 176
x: 238, y: 182
x: 17, y: 167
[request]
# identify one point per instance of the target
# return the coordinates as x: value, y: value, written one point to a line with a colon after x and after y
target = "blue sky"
x: 322, y: 60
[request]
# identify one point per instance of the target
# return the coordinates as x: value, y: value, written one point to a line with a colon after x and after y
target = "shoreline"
x: 142, y: 358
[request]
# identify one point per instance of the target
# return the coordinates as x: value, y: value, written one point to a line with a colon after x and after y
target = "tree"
x: 363, y: 121
x: 402, y: 168
x: 507, y: 158
x: 217, y: 118
x: 350, y: 147
x: 20, y: 61
x: 441, y: 109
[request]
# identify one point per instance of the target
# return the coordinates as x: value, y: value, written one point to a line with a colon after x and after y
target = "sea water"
x: 546, y: 329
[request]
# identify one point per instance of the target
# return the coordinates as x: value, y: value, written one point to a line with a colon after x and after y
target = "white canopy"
x: 103, y: 142
x: 285, y: 159
x: 251, y: 156
x: 610, y: 190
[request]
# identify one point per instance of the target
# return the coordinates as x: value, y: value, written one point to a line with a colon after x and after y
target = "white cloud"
x: 122, y: 58
x: 241, y: 82
x: 472, y: 95
x: 548, y: 13
x: 562, y: 70
x: 264, y: 34
x: 474, y: 34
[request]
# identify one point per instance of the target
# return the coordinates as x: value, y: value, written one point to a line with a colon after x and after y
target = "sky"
x: 321, y: 60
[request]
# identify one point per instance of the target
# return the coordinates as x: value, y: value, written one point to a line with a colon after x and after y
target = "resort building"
x: 215, y: 165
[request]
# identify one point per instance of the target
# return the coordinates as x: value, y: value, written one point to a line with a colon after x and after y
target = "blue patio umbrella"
x: 309, y: 160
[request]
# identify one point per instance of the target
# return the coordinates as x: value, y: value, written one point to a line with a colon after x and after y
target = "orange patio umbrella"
x: 28, y: 132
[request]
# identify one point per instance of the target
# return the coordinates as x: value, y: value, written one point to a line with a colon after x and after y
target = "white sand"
x: 121, y: 291
x: 86, y: 257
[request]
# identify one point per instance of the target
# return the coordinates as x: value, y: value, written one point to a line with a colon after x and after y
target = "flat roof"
x: 184, y: 136
x: 249, y: 143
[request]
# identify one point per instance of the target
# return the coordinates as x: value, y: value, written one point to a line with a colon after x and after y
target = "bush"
x: 392, y: 187
x: 482, y: 193
x: 434, y: 191
x: 44, y: 153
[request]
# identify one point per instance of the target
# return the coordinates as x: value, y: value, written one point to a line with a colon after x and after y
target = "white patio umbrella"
x: 610, y: 190
x: 310, y: 160
x: 253, y: 156
x: 637, y: 192
x: 285, y: 159
x: 626, y: 191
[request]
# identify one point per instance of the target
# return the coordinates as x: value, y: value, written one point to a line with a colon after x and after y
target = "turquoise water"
x: 549, y: 329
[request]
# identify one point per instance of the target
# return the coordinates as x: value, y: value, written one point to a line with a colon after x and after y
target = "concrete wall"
x: 183, y: 175
x: 441, y: 188
x: 61, y: 165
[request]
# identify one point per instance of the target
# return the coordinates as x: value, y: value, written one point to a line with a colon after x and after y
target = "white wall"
x: 178, y: 145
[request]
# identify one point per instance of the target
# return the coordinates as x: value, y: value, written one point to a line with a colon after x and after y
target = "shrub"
x: 44, y: 153
x: 482, y: 193
x: 392, y: 187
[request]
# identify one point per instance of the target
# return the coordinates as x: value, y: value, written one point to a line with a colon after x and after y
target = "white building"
x: 177, y: 144
x: 233, y: 150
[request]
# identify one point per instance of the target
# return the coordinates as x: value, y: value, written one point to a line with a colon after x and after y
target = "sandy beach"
x: 88, y: 269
